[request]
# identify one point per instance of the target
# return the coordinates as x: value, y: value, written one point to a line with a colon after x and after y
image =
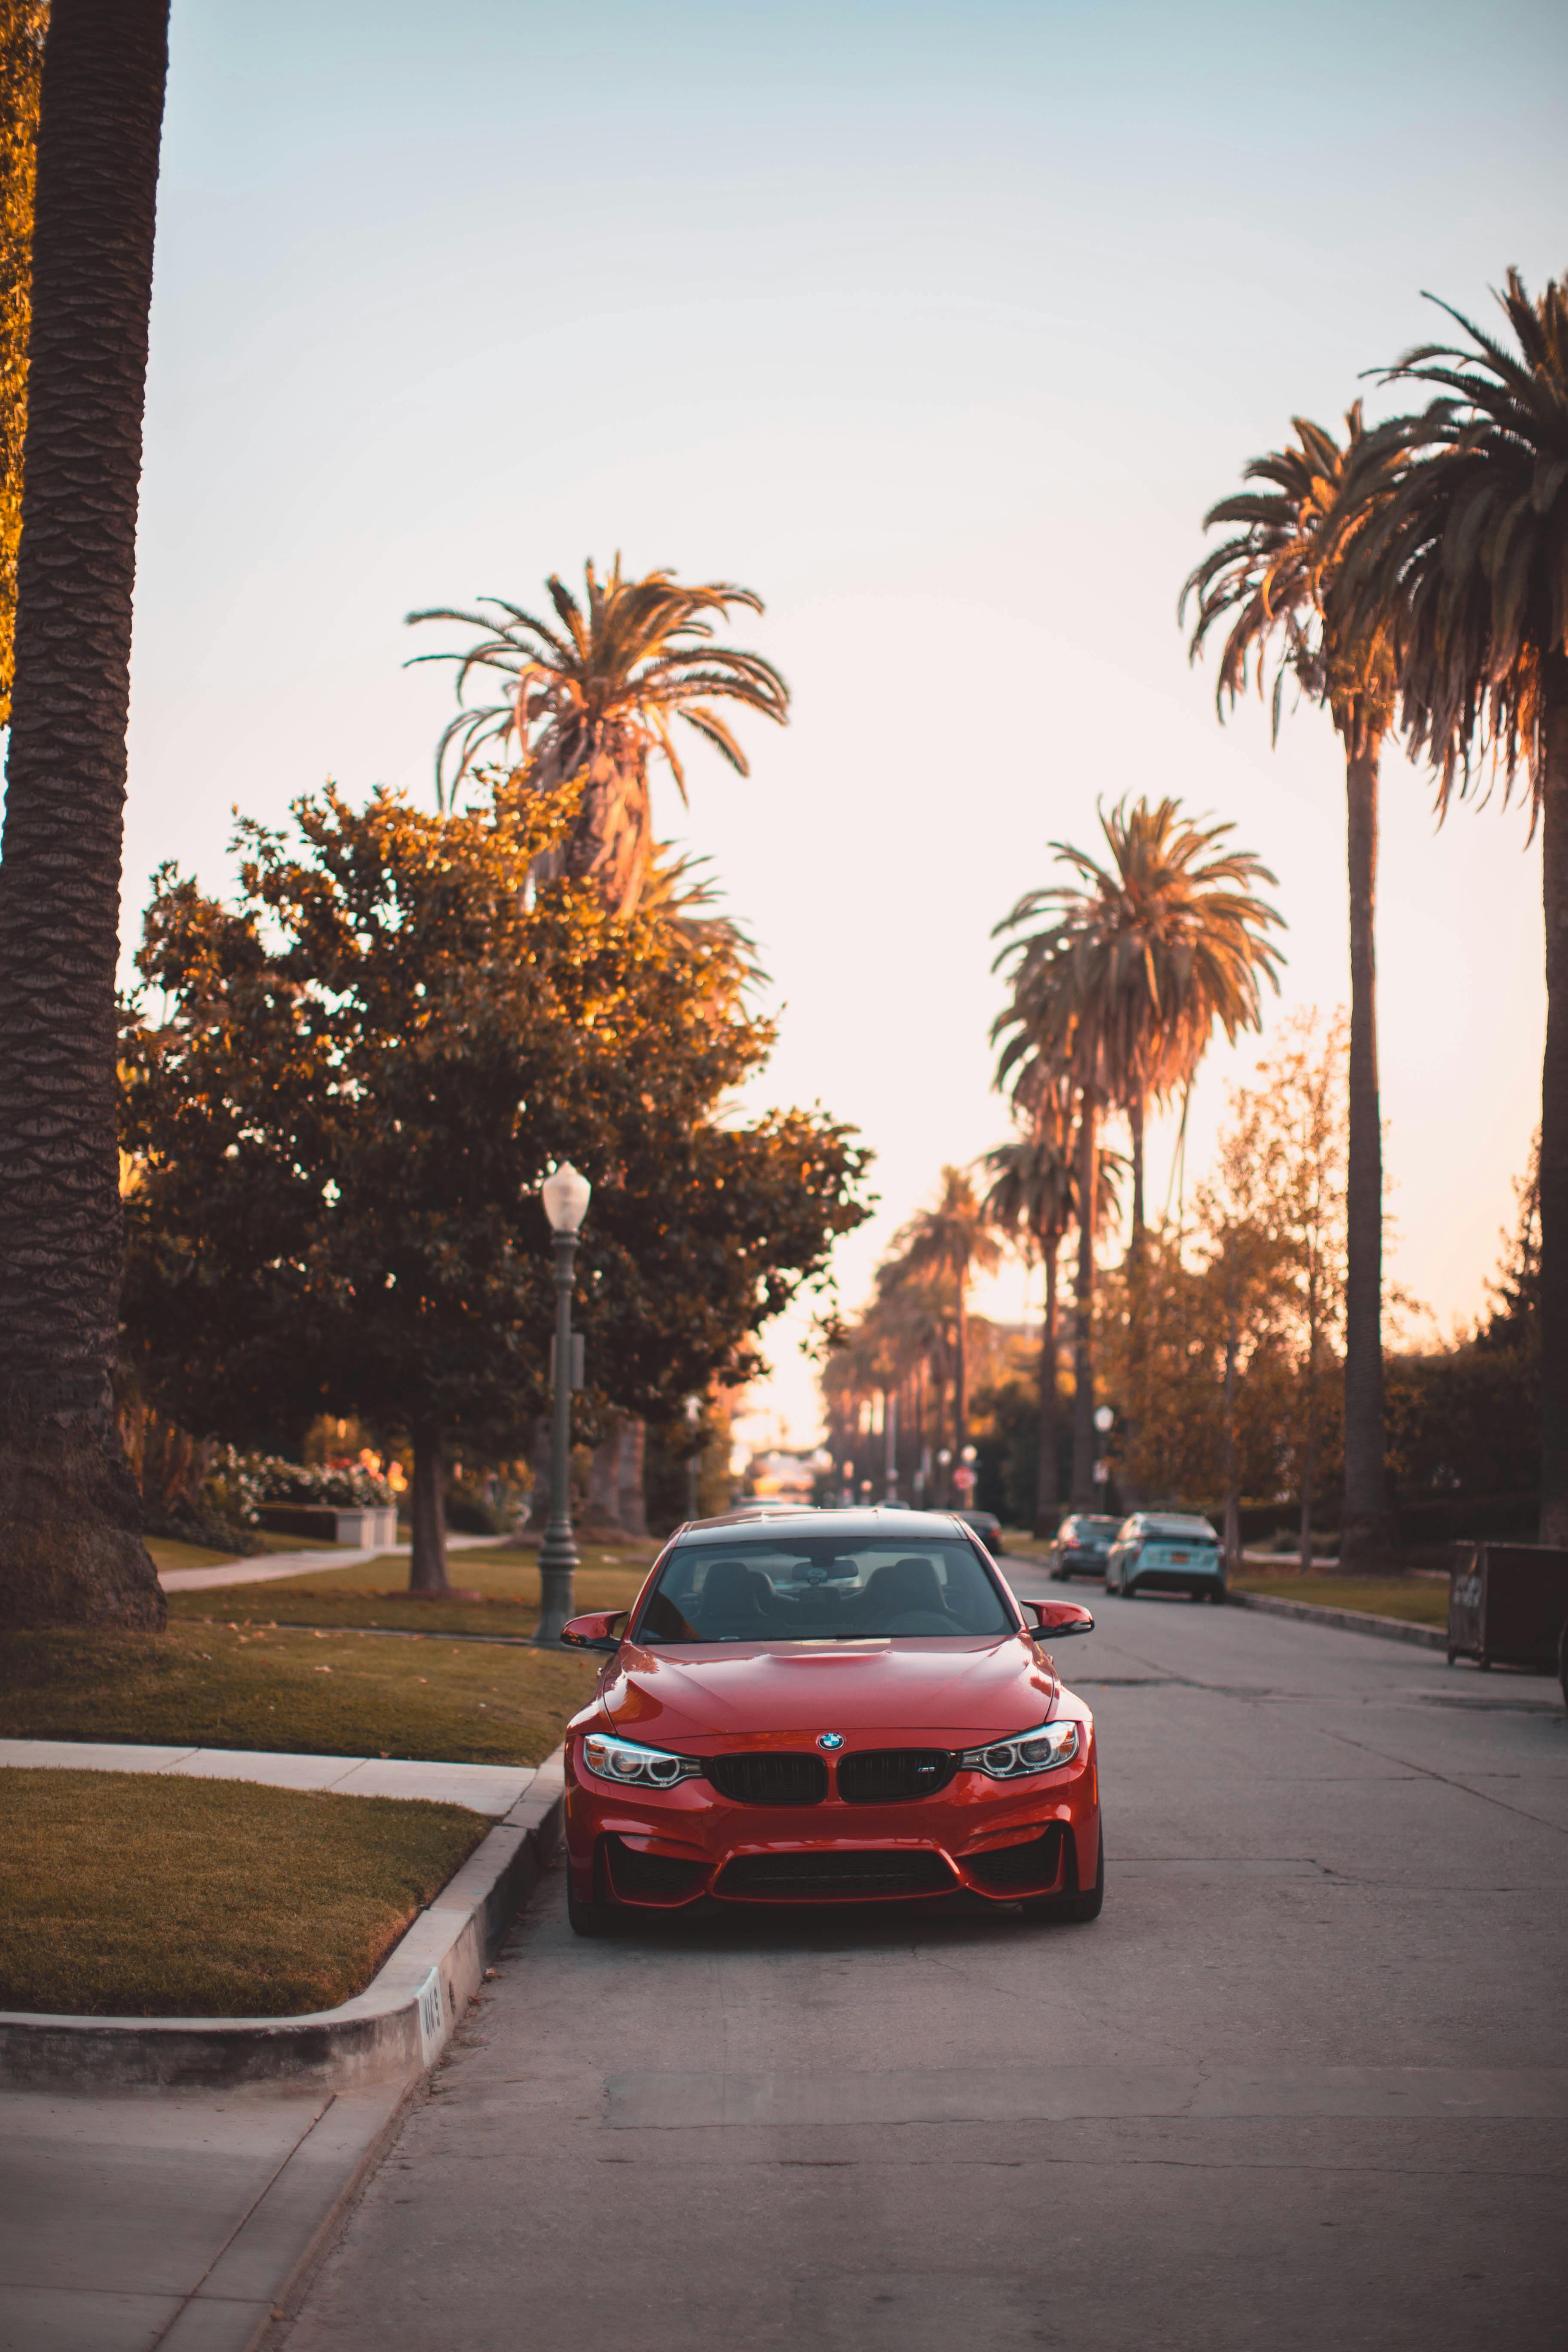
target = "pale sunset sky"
x: 940, y: 327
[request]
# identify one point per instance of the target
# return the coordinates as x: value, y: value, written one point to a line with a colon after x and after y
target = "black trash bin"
x: 1508, y: 1605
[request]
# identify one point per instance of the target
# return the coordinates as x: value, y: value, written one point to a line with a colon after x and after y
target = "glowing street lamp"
x: 565, y: 1195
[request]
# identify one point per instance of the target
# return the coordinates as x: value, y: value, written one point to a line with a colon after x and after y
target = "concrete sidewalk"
x: 179, y: 2218
x: 492, y: 1789
x: 270, y: 1568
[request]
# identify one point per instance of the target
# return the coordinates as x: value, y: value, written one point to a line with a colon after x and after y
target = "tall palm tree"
x: 22, y: 27
x: 1123, y: 985
x: 1277, y: 586
x: 951, y: 1242
x: 596, y: 693
x: 70, y: 1547
x: 1034, y: 1198
x: 1456, y: 543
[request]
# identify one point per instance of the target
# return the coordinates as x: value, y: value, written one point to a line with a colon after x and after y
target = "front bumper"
x: 665, y: 1849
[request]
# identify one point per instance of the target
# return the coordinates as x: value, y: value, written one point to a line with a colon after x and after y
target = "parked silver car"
x: 1166, y: 1552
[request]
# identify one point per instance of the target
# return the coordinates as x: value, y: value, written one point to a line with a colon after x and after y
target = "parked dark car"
x: 987, y: 1526
x: 1081, y: 1545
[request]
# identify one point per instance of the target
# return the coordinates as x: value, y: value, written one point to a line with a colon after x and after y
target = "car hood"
x: 948, y: 1694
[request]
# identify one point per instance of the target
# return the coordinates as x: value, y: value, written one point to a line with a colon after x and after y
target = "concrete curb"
x: 390, y: 2033
x: 1347, y: 1621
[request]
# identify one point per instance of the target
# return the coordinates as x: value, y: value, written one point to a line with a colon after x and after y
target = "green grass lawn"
x: 167, y: 1553
x: 132, y: 1894
x: 505, y: 1578
x: 338, y: 1692
x: 1419, y: 1600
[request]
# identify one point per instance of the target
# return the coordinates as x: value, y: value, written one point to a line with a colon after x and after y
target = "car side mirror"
x: 1059, y: 1618
x: 602, y: 1629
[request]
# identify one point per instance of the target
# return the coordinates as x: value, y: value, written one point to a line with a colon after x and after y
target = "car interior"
x: 818, y: 1590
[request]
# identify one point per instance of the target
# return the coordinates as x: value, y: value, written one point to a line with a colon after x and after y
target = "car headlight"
x: 1026, y: 1752
x: 622, y: 1760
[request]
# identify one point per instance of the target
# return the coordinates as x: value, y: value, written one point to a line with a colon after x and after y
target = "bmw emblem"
x: 831, y: 1740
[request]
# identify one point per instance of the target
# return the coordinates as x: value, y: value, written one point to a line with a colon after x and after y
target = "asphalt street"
x: 1304, y: 2084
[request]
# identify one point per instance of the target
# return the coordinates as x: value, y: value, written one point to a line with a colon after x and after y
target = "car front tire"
x: 590, y: 1918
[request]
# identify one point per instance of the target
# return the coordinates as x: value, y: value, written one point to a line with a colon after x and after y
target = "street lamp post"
x: 565, y: 1195
x: 693, y: 1461
x: 1105, y: 1421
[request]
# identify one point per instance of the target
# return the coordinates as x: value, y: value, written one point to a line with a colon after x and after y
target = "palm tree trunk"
x: 1047, y: 1482
x: 1369, y: 1530
x: 630, y: 1491
x: 1135, y: 1121
x: 1554, y: 1114
x: 1310, y: 1449
x: 70, y: 1545
x: 611, y: 841
x: 960, y: 1375
x: 1232, y: 1494
x: 604, y: 1482
x: 1083, y: 1311
x: 427, y: 1511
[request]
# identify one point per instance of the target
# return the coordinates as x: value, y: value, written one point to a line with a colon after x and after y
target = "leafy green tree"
x: 1278, y: 587
x: 70, y: 1543
x: 359, y: 1076
x: 1457, y: 549
x: 596, y: 693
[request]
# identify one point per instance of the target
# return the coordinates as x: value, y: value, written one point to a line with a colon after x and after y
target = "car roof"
x: 1174, y: 1523
x: 869, y: 1521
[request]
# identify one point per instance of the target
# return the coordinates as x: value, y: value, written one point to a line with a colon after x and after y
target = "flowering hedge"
x: 238, y: 1484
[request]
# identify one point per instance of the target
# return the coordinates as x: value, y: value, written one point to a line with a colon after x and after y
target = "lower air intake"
x: 651, y: 1877
x: 835, y: 1877
x: 1032, y: 1867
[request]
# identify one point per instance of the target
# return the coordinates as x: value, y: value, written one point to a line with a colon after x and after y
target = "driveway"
x: 1304, y: 2084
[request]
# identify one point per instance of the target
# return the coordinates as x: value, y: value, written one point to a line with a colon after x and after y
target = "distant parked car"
x: 765, y: 1506
x: 1164, y: 1552
x: 987, y: 1526
x: 1081, y: 1545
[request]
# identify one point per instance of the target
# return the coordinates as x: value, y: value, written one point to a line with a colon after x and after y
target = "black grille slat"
x: 891, y: 1776
x: 835, y: 1877
x: 1034, y: 1864
x: 763, y: 1776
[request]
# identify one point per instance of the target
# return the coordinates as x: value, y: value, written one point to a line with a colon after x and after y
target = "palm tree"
x: 1277, y: 586
x: 22, y: 26
x: 1123, y: 986
x: 70, y: 1545
x: 951, y: 1242
x: 1034, y: 1198
x: 595, y: 696
x: 1457, y: 545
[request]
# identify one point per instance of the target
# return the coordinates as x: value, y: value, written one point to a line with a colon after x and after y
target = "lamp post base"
x: 557, y: 1569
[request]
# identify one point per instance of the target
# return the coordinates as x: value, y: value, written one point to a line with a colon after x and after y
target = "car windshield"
x: 1091, y: 1530
x: 1172, y: 1530
x: 790, y: 1588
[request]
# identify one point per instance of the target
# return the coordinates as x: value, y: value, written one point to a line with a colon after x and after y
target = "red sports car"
x: 841, y: 1707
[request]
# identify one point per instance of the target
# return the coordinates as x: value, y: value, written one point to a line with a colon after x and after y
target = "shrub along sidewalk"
x: 145, y: 1895
x: 326, y: 1694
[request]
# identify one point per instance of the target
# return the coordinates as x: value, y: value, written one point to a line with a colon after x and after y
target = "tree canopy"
x: 340, y: 1114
